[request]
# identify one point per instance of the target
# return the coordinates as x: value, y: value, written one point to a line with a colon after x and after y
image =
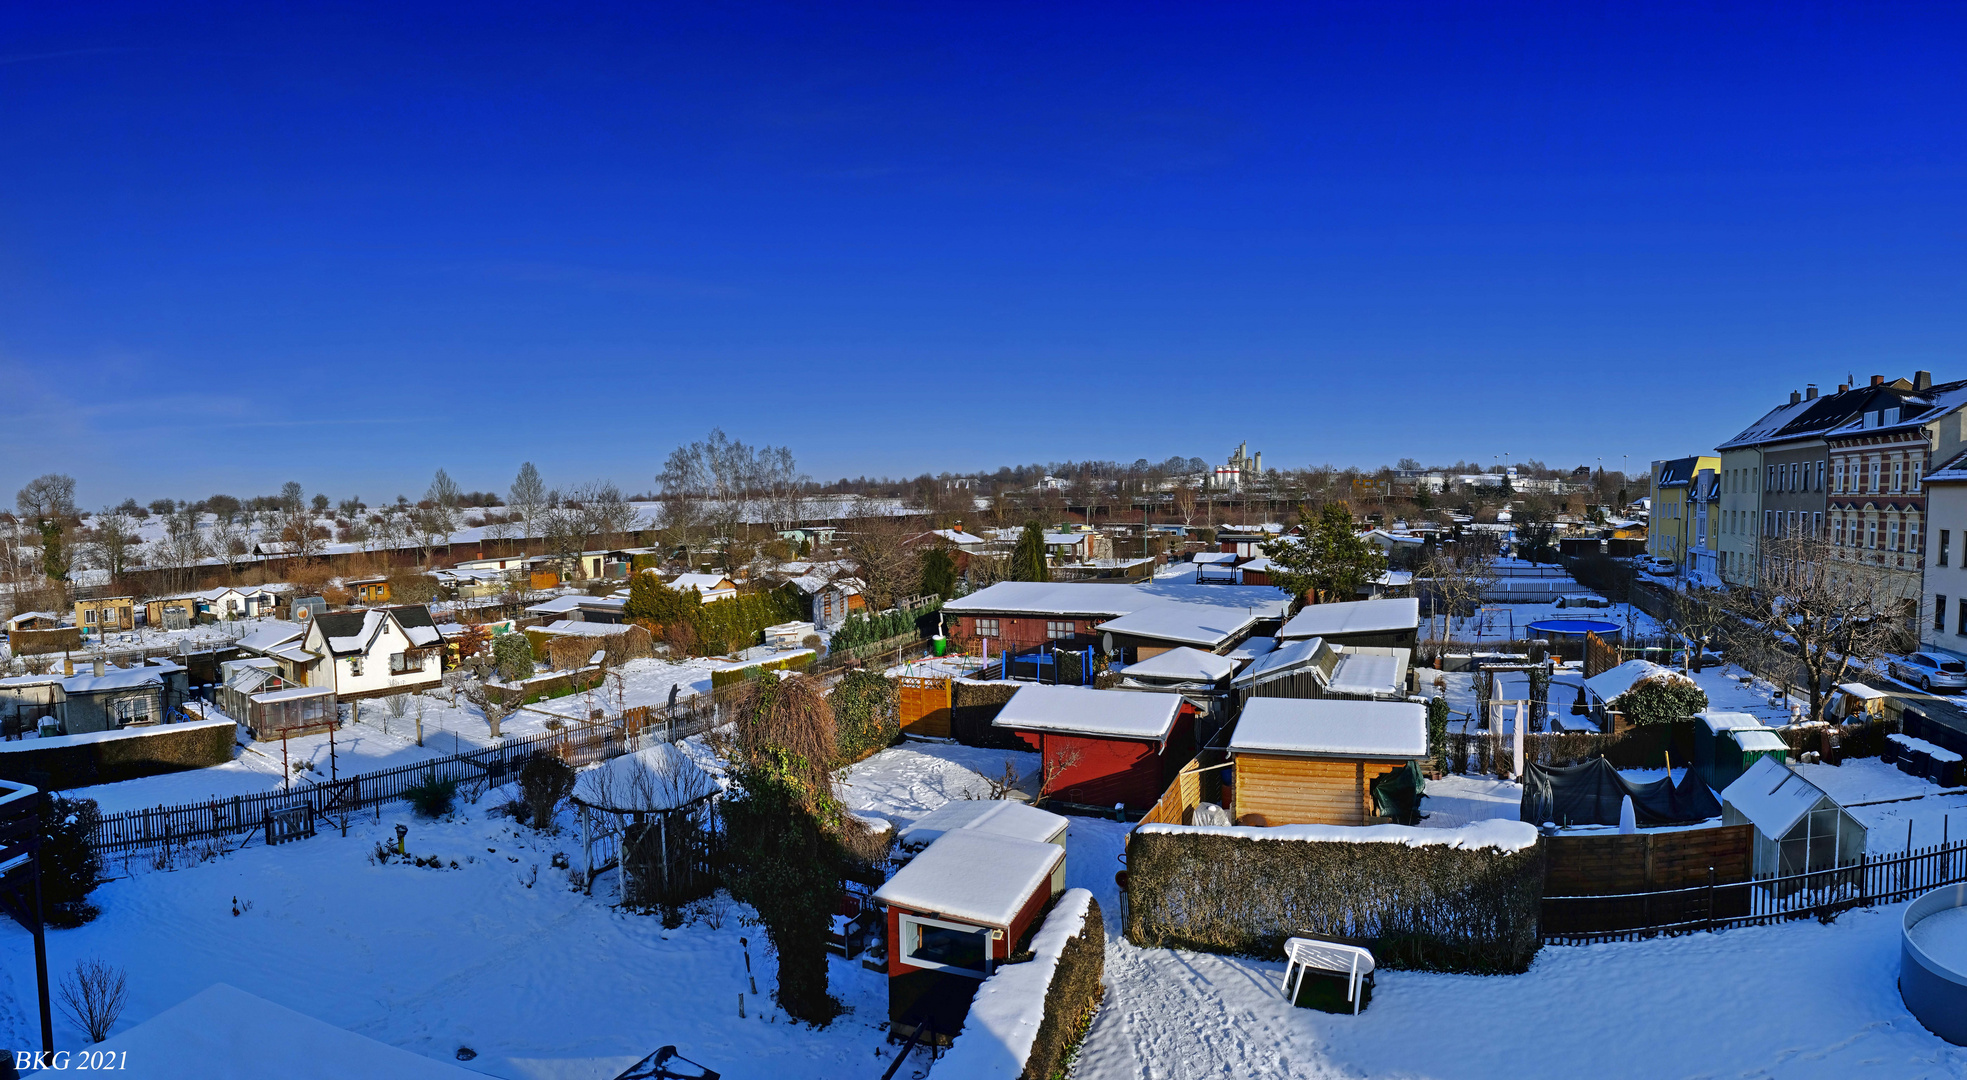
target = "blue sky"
x: 347, y: 245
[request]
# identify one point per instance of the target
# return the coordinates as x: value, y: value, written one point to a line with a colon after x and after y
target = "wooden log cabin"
x: 1313, y: 761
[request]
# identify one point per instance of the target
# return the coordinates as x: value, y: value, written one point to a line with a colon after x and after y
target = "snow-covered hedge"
x: 1430, y: 899
x: 104, y: 757
x: 1026, y: 1017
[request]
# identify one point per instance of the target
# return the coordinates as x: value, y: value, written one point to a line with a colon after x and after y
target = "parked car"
x: 1930, y: 671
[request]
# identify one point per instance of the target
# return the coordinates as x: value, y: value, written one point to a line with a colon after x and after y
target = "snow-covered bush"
x: 71, y: 867
x: 512, y: 655
x: 1662, y: 699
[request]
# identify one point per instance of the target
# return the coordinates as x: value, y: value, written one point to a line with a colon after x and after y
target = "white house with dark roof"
x: 371, y: 653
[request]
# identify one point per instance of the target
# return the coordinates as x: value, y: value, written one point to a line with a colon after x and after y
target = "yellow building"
x: 106, y: 613
x: 1671, y: 528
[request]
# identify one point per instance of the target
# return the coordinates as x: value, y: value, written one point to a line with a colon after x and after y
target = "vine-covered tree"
x: 785, y: 830
x: 1329, y: 563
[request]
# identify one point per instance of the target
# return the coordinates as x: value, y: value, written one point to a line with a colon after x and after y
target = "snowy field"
x: 542, y: 981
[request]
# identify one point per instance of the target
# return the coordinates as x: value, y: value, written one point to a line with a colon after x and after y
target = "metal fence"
x: 1578, y: 920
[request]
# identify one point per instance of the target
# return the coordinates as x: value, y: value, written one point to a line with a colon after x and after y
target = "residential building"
x: 1943, y: 601
x: 106, y: 613
x: 1878, y: 464
x: 1670, y: 530
x: 1703, y: 559
x: 372, y: 653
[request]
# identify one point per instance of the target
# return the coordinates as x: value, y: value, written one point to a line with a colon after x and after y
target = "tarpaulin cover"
x: 1591, y: 792
x: 1397, y: 794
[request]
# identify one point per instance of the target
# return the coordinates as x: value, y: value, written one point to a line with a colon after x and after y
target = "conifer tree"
x: 1028, y: 559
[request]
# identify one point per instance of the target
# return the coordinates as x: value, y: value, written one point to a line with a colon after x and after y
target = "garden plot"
x: 902, y: 783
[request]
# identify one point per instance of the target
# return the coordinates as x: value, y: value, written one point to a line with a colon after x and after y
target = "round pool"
x: 1574, y: 627
x: 1933, y: 962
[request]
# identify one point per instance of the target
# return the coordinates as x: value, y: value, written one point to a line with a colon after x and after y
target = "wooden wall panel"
x: 1302, y: 791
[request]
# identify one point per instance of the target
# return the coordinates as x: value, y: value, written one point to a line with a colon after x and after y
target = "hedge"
x: 1430, y: 907
x: 738, y: 623
x: 865, y: 719
x: 973, y: 706
x: 860, y: 629
x: 107, y: 757
x: 733, y: 676
x: 1067, y: 963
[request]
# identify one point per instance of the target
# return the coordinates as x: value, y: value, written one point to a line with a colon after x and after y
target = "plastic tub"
x: 1933, y: 975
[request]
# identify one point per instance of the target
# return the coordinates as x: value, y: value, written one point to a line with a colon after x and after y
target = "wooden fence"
x: 1714, y: 905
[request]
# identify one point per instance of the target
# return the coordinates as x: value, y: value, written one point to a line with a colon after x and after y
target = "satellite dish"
x: 1106, y: 644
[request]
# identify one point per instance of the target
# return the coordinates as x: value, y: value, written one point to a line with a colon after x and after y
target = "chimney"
x: 99, y: 667
x: 1795, y: 396
x: 1922, y: 380
x: 1878, y: 380
x: 1843, y: 388
x: 1810, y: 392
x: 958, y: 527
x: 67, y: 665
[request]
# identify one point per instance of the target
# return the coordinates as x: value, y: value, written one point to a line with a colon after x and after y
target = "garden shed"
x: 1314, y: 761
x: 1391, y: 623
x: 1727, y: 743
x: 1798, y: 827
x: 998, y: 817
x: 1103, y: 747
x: 955, y: 912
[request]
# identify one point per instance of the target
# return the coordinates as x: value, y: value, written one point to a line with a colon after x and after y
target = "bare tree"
x: 720, y: 484
x: 877, y: 545
x: 527, y: 496
x: 113, y: 541
x: 1457, y: 580
x: 1833, y: 614
x: 93, y: 996
x: 184, y: 546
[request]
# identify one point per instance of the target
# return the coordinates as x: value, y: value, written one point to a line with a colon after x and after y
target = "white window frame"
x: 987, y: 628
x: 1052, y: 632
x: 355, y: 667
x: 990, y: 936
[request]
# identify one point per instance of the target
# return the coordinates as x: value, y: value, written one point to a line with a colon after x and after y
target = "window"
x: 405, y: 663
x: 1820, y: 476
x: 355, y: 666
x: 1917, y: 467
x: 987, y: 628
x: 946, y: 946
x: 1817, y: 524
x: 1871, y: 533
x: 1892, y: 535
x: 132, y: 710
x: 1768, y: 523
x: 1059, y: 631
x: 1837, y: 476
x: 1837, y: 531
x: 1939, y: 613
x: 1960, y: 628
x: 1898, y: 474
x: 1769, y: 481
x: 1876, y: 466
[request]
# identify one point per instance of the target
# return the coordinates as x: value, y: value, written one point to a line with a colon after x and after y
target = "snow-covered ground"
x: 1510, y: 622
x: 902, y: 783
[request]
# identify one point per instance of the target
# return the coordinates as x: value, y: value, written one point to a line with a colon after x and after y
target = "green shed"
x: 1727, y: 743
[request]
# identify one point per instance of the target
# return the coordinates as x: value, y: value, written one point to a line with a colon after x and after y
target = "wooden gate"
x: 924, y: 705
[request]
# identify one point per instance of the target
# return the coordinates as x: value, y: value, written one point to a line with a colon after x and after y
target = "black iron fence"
x: 1578, y: 920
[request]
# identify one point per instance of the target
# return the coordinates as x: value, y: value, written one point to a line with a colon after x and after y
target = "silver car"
x: 1930, y: 671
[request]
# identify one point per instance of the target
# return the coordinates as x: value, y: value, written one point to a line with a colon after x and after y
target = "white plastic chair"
x: 1302, y: 954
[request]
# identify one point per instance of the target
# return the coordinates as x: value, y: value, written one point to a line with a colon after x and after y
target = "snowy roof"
x: 1174, y: 620
x: 703, y: 583
x: 1718, y: 722
x: 1082, y: 710
x: 999, y: 817
x: 293, y: 693
x: 974, y: 877
x: 958, y: 538
x: 558, y: 605
x: 1354, y: 617
x: 1183, y: 663
x: 1252, y: 647
x: 1332, y: 727
x: 293, y: 653
x: 1861, y: 691
x: 1758, y: 739
x: 1208, y: 558
x: 1370, y: 671
x: 1773, y: 797
x: 1111, y: 599
x: 116, y: 679
x: 270, y: 635
x: 662, y: 777
x: 1609, y: 684
x: 1285, y: 658
x: 571, y: 628
x: 224, y: 1033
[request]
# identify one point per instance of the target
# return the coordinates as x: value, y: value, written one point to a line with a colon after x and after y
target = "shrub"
x: 432, y: 797
x: 863, y: 629
x: 71, y: 867
x: 543, y: 782
x: 1661, y: 699
x: 93, y: 996
x: 864, y: 714
x: 1437, y: 732
x: 512, y: 655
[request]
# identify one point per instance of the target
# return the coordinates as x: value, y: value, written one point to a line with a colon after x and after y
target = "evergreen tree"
x: 649, y: 600
x: 1329, y: 563
x: 1028, y: 559
x: 938, y: 572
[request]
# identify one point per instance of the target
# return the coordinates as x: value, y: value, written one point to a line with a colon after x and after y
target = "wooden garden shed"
x: 955, y: 912
x: 1103, y: 747
x: 1727, y: 743
x: 1312, y: 761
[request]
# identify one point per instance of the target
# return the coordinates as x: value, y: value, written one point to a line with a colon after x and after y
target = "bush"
x: 431, y: 797
x: 71, y: 867
x: 512, y: 655
x: 1661, y: 699
x: 864, y: 629
x: 543, y: 782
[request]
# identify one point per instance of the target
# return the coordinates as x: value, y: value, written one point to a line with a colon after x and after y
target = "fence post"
x: 1710, y: 899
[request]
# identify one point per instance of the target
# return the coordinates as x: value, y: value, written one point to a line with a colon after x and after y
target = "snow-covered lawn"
x: 904, y: 782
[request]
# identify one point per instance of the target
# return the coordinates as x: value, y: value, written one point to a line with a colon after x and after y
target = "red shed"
x: 957, y: 911
x: 1102, y: 747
